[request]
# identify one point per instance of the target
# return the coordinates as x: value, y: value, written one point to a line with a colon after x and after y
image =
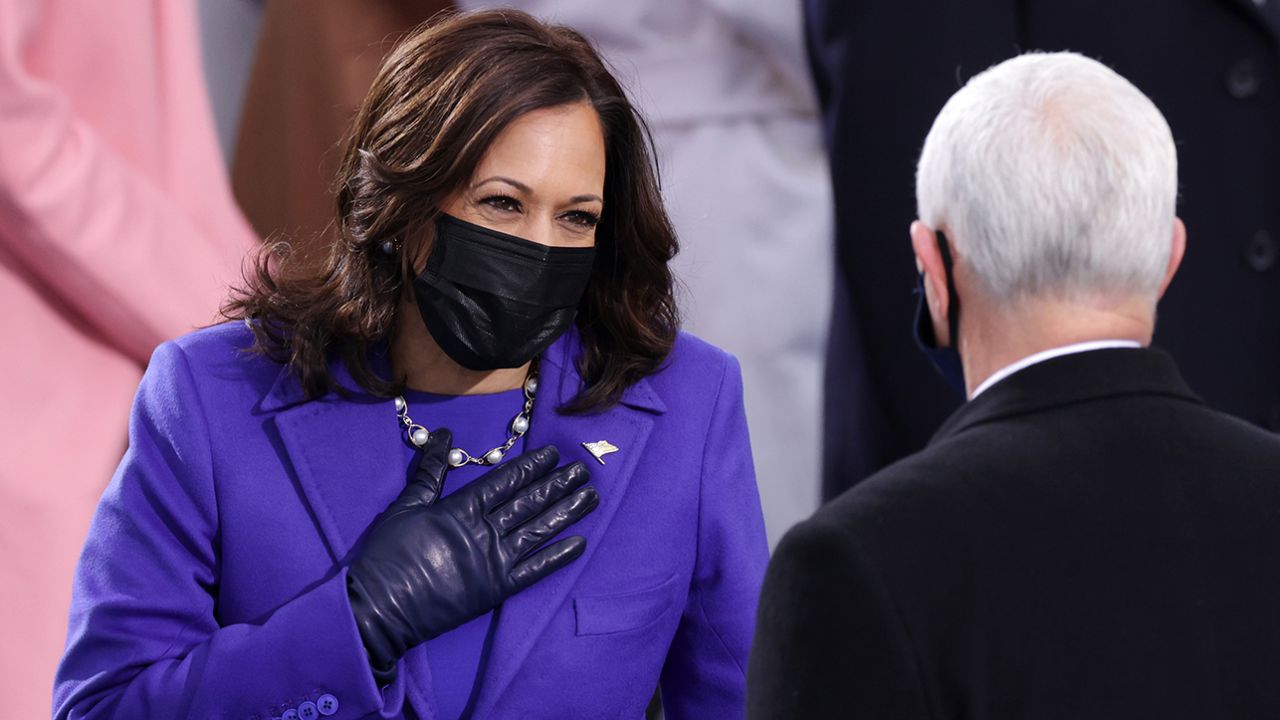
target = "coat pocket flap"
x: 605, y: 614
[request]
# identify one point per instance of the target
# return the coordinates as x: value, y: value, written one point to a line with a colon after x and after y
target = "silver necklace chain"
x: 419, y: 435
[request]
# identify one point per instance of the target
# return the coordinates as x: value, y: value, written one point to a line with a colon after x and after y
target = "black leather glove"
x: 427, y: 567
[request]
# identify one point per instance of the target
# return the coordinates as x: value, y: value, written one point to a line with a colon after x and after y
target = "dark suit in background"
x: 1083, y: 540
x: 884, y: 70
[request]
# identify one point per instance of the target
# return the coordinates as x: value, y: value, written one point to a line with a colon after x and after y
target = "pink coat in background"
x: 117, y: 231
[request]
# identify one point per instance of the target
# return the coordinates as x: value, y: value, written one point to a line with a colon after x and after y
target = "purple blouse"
x: 454, y: 661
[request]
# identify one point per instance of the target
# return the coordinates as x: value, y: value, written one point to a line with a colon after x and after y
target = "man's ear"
x: 924, y: 241
x: 1176, y: 252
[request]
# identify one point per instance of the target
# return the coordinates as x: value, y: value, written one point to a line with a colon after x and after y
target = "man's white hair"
x: 1054, y: 177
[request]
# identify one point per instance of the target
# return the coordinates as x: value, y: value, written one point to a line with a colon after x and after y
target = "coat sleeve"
x: 829, y: 642
x: 102, y: 236
x: 705, y: 672
x: 144, y: 638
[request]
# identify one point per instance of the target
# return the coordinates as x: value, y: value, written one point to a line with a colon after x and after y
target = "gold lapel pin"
x: 599, y: 449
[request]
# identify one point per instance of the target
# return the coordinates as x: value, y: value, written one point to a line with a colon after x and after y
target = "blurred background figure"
x: 1210, y: 65
x: 313, y: 65
x: 117, y: 231
x: 726, y: 92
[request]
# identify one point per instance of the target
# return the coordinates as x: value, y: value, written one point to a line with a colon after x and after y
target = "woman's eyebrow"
x: 529, y: 191
x: 513, y: 183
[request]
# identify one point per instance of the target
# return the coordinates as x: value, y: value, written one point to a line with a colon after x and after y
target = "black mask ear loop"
x: 953, y: 299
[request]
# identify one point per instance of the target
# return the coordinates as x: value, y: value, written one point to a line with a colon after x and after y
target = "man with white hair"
x: 1083, y: 538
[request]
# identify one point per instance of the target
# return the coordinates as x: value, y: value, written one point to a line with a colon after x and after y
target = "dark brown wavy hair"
x: 437, y: 104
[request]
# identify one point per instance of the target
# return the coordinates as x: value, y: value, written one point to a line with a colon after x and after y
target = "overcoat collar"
x: 1070, y: 379
x: 347, y: 456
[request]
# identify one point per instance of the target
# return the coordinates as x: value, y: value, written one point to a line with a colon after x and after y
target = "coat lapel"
x: 347, y: 455
x: 522, y: 618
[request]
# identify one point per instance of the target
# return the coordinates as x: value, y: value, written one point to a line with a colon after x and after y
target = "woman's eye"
x: 582, y: 218
x: 504, y: 203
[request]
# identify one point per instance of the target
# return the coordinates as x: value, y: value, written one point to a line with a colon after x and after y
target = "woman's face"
x: 542, y: 179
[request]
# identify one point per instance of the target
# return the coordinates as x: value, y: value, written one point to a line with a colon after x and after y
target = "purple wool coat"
x: 213, y: 581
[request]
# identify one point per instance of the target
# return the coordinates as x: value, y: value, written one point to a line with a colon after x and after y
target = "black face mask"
x: 492, y: 300
x: 945, y: 359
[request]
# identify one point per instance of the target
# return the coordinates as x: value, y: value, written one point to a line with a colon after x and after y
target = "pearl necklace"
x: 419, y: 435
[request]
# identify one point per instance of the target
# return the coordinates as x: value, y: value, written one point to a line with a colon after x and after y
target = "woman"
x: 502, y: 252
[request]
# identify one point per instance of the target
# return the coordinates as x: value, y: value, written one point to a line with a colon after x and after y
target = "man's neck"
x: 992, y: 338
